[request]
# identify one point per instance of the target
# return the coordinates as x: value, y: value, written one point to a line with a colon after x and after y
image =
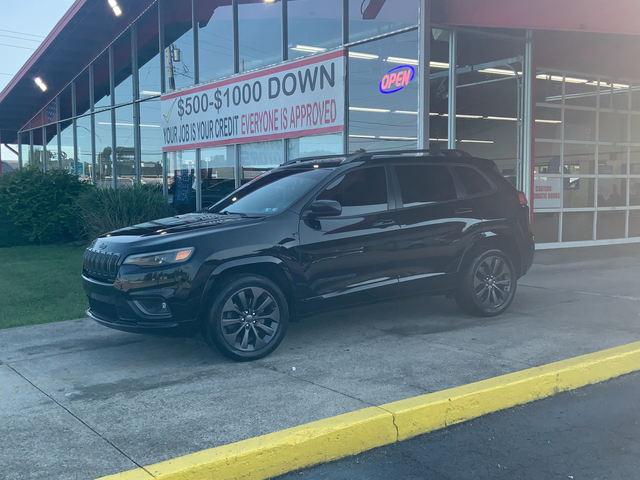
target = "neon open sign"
x: 397, y: 78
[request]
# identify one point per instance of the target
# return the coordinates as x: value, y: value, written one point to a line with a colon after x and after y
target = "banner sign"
x: 296, y: 99
x: 547, y: 192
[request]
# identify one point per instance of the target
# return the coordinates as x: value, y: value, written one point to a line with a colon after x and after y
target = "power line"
x: 9, y: 74
x: 19, y: 38
x: 21, y: 33
x: 15, y: 46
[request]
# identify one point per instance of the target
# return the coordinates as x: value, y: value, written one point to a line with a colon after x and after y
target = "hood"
x: 182, y: 223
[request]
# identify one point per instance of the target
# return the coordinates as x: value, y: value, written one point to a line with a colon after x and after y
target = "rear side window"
x: 424, y: 184
x: 472, y: 180
x: 359, y: 192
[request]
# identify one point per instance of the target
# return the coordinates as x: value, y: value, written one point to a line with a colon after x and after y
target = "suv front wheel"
x: 488, y: 285
x: 248, y: 319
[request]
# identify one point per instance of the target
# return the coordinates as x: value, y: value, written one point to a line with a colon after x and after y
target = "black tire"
x: 488, y: 285
x: 248, y: 318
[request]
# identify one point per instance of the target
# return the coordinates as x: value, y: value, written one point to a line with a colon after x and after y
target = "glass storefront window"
x: 53, y: 156
x: 150, y: 142
x: 580, y: 125
x: 178, y: 43
x: 84, y: 147
x: 25, y: 149
x: 125, y: 156
x: 619, y: 96
x: 439, y: 89
x: 378, y: 120
x: 259, y: 28
x: 612, y: 160
x: 546, y: 226
x: 215, y: 39
x: 101, y: 85
x: 82, y: 92
x: 65, y: 103
x: 577, y: 226
x: 634, y: 192
x: 548, y: 123
x: 369, y: 19
x: 578, y: 159
x: 612, y: 192
x: 148, y: 53
x: 610, y: 225
x: 257, y: 158
x: 634, y: 223
x: 122, y: 70
x: 181, y: 180
x: 67, y: 157
x: 548, y: 88
x: 547, y: 159
x: 613, y: 127
x: 218, y: 173
x: 103, y: 148
x: 316, y: 145
x: 578, y: 192
x: 314, y: 25
x: 580, y: 91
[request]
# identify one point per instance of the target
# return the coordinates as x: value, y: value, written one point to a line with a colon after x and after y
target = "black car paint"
x: 320, y: 264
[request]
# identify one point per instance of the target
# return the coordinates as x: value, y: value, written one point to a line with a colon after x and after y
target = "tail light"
x: 523, y: 199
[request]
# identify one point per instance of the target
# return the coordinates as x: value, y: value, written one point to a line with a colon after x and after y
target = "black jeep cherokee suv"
x: 315, y: 234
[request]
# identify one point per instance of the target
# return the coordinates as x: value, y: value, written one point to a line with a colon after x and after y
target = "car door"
x: 345, y: 257
x: 437, y: 221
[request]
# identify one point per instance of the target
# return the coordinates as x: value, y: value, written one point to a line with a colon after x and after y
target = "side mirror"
x: 323, y: 208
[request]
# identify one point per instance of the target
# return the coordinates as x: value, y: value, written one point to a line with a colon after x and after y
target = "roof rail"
x: 364, y: 155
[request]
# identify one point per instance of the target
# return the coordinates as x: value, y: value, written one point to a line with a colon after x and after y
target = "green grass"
x: 41, y: 284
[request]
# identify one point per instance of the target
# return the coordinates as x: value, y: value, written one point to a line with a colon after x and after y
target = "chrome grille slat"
x: 102, y: 266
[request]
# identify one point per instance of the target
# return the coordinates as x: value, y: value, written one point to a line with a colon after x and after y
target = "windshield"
x: 272, y: 192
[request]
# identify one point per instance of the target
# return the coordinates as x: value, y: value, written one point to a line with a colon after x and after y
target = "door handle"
x: 384, y: 223
x: 462, y: 211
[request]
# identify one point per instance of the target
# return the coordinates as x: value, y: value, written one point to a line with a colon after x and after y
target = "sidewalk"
x: 78, y: 400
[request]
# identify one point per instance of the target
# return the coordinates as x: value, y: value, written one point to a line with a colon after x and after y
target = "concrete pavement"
x: 78, y: 400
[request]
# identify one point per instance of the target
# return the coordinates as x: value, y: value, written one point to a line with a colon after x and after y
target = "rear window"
x: 424, y: 184
x: 472, y: 180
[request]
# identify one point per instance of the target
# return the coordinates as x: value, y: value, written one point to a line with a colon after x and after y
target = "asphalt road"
x: 590, y: 433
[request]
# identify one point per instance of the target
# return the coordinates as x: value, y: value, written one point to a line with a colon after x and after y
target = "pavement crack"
x: 79, y: 420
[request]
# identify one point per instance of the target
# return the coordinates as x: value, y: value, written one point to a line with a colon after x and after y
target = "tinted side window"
x: 472, y: 180
x: 423, y: 184
x: 359, y: 192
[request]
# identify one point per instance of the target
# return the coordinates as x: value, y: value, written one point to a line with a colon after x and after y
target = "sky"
x: 23, y: 26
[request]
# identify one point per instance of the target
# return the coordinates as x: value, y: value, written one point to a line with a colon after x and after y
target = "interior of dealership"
x: 559, y: 116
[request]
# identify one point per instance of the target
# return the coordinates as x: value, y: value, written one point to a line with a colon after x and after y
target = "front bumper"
x: 122, y: 311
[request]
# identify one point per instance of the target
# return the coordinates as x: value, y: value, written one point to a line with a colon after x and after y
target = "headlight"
x: 157, y: 259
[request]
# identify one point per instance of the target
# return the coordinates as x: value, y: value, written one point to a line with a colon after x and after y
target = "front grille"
x: 101, y: 265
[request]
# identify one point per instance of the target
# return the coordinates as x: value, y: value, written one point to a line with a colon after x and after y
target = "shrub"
x: 104, y: 210
x: 37, y: 207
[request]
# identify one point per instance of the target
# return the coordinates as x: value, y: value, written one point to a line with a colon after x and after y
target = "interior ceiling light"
x: 542, y: 120
x: 269, y: 1
x: 509, y: 119
x: 115, y: 7
x: 498, y: 71
x: 40, y: 84
x: 406, y: 112
x: 397, y: 138
x: 366, y: 56
x: 476, y: 141
x: 363, y: 109
x: 306, y: 48
x: 362, y: 136
x: 438, y: 65
x: 408, y: 61
x: 460, y: 115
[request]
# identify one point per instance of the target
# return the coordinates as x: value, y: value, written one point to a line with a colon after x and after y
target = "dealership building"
x: 201, y: 96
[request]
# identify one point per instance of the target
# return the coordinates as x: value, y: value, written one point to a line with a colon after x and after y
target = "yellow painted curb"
x: 280, y: 452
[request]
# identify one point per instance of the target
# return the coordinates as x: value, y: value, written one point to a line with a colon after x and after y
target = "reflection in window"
x: 150, y: 142
x: 577, y: 226
x: 182, y: 194
x: 424, y: 184
x: 546, y: 226
x: 101, y: 85
x: 125, y: 156
x: 148, y: 56
x: 25, y: 149
x: 610, y: 225
x: 377, y: 120
x: 53, y: 155
x: 316, y: 145
x: 314, y: 25
x: 122, y: 72
x: 84, y: 147
x: 371, y: 18
x: 439, y: 89
x: 360, y: 192
x: 612, y: 192
x: 259, y: 27
x: 472, y: 180
x: 217, y: 172
x: 178, y: 42
x: 67, y: 160
x: 215, y: 39
x: 578, y: 192
x: 257, y: 158
x: 103, y: 148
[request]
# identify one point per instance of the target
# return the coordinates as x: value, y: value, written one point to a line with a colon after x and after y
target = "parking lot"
x: 78, y: 400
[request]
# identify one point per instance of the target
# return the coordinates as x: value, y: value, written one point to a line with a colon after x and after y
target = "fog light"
x: 152, y: 306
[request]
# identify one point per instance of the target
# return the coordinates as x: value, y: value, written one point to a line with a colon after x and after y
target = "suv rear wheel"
x: 248, y: 319
x: 488, y: 285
